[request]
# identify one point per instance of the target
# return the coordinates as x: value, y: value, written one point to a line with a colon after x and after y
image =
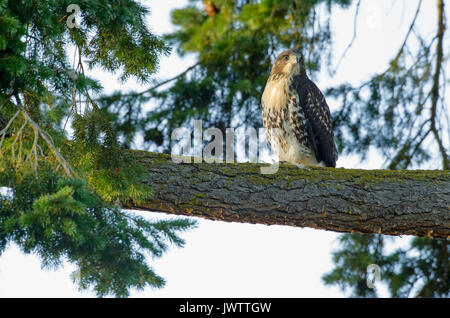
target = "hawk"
x: 296, y: 116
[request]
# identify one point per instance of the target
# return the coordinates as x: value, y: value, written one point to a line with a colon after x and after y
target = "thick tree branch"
x: 343, y: 200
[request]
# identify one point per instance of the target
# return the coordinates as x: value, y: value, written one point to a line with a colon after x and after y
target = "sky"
x: 245, y: 260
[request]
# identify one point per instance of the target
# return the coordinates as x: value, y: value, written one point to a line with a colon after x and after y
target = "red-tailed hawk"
x: 296, y: 116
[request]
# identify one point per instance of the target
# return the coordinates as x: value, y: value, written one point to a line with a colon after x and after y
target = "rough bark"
x: 343, y: 200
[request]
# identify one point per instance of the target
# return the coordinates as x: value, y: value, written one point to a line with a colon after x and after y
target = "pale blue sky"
x: 243, y: 260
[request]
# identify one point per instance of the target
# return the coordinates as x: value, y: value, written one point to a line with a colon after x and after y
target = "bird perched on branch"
x: 296, y: 116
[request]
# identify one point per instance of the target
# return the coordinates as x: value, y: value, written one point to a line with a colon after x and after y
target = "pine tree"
x: 63, y: 190
x: 400, y: 117
x: 235, y: 49
x: 65, y: 187
x: 396, y: 111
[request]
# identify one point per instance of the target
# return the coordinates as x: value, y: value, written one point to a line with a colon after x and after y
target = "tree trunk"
x: 342, y: 200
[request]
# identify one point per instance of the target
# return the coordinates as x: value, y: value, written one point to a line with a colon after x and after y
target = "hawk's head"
x: 289, y: 63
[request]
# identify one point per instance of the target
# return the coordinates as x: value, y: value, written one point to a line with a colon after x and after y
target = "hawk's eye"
x: 285, y: 57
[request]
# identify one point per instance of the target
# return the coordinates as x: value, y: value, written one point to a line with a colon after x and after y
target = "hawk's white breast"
x: 281, y: 116
x: 274, y: 94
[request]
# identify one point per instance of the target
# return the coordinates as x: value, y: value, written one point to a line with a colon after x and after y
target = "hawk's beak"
x: 298, y: 55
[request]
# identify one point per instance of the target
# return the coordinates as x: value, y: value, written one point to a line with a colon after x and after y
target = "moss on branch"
x: 415, y: 202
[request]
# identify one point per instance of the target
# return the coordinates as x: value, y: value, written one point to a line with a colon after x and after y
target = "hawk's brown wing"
x: 319, y: 128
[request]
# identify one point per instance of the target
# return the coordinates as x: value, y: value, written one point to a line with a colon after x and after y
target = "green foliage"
x: 399, y: 112
x: 351, y: 262
x: 59, y: 218
x: 111, y: 173
x: 393, y: 112
x: 235, y: 49
x: 390, y: 112
x: 65, y: 189
x: 419, y: 271
x: 119, y: 31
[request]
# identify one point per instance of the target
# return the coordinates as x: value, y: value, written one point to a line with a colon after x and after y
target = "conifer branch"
x: 148, y: 90
x: 5, y: 130
x: 18, y: 136
x: 48, y: 141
